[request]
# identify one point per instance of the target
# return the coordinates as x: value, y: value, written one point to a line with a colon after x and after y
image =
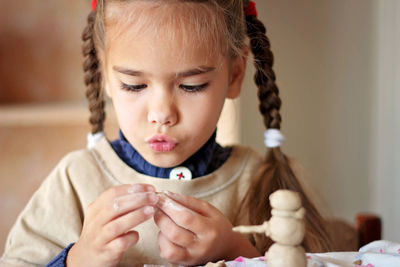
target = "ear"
x: 238, y: 71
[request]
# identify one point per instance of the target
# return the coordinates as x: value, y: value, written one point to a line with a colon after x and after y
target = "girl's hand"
x: 107, y: 229
x: 193, y: 232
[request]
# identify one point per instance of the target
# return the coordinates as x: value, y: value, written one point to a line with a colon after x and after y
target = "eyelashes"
x: 193, y: 88
x: 133, y: 88
x: 187, y: 88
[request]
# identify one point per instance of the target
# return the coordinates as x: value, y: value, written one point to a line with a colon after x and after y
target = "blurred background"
x: 338, y: 69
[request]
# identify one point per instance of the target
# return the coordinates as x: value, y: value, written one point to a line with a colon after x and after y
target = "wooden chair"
x: 369, y: 227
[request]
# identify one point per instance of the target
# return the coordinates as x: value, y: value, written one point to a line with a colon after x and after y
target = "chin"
x: 165, y: 161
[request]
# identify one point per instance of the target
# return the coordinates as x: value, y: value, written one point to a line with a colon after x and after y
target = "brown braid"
x: 276, y: 173
x: 268, y: 93
x: 92, y: 78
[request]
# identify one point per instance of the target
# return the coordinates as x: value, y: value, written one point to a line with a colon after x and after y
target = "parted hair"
x: 276, y: 171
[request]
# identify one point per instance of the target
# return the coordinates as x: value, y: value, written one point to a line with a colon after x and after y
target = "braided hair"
x: 276, y: 172
x: 92, y: 76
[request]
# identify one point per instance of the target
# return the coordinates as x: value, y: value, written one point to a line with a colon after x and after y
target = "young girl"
x: 165, y: 192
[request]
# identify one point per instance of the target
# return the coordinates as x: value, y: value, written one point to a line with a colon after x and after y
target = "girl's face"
x: 168, y: 93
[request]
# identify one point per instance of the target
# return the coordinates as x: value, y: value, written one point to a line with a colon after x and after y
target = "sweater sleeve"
x: 59, y: 260
x: 50, y: 221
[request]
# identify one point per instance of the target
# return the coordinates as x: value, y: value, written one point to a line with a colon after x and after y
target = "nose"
x: 162, y: 110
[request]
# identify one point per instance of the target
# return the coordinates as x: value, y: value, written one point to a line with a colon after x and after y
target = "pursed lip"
x: 161, y: 143
x: 161, y: 138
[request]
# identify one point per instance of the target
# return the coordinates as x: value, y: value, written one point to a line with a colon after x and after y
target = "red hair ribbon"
x: 251, y: 10
x: 94, y: 5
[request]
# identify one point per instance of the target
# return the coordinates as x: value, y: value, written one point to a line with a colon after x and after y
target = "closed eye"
x: 133, y: 88
x: 193, y: 88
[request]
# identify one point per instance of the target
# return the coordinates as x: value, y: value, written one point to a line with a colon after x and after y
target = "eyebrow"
x: 191, y: 72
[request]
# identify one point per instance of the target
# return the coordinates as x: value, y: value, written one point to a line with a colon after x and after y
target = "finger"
x: 125, y: 223
x: 170, y: 251
x: 120, y: 244
x: 200, y: 206
x: 176, y: 234
x: 181, y: 215
x: 125, y: 204
x: 115, y: 192
x: 126, y: 189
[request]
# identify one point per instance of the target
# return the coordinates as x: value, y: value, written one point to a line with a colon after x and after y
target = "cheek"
x: 129, y: 113
x: 204, y: 113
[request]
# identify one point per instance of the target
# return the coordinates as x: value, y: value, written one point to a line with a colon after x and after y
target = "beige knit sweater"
x: 54, y: 216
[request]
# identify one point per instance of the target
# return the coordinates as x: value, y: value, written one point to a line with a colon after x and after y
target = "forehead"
x: 186, y: 29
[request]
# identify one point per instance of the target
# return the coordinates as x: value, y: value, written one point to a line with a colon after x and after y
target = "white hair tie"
x: 273, y: 138
x: 93, y: 139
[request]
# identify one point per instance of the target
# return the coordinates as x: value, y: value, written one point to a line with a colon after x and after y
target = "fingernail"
x: 135, y: 188
x: 161, y: 200
x: 126, y: 201
x: 153, y: 198
x: 170, y: 203
x: 116, y: 205
x: 171, y: 194
x: 150, y: 188
x: 148, y: 210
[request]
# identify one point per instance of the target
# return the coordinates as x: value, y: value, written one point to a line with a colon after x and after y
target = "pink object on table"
x: 239, y: 259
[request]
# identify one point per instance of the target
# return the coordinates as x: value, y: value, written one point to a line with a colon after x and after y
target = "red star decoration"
x: 180, y: 176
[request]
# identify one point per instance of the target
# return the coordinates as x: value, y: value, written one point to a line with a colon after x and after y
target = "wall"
x: 330, y: 72
x: 386, y: 144
x: 40, y: 50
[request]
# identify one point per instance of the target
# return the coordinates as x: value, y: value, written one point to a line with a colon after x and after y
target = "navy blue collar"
x: 206, y: 160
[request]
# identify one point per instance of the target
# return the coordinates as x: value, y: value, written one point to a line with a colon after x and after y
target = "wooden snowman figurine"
x: 286, y: 228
